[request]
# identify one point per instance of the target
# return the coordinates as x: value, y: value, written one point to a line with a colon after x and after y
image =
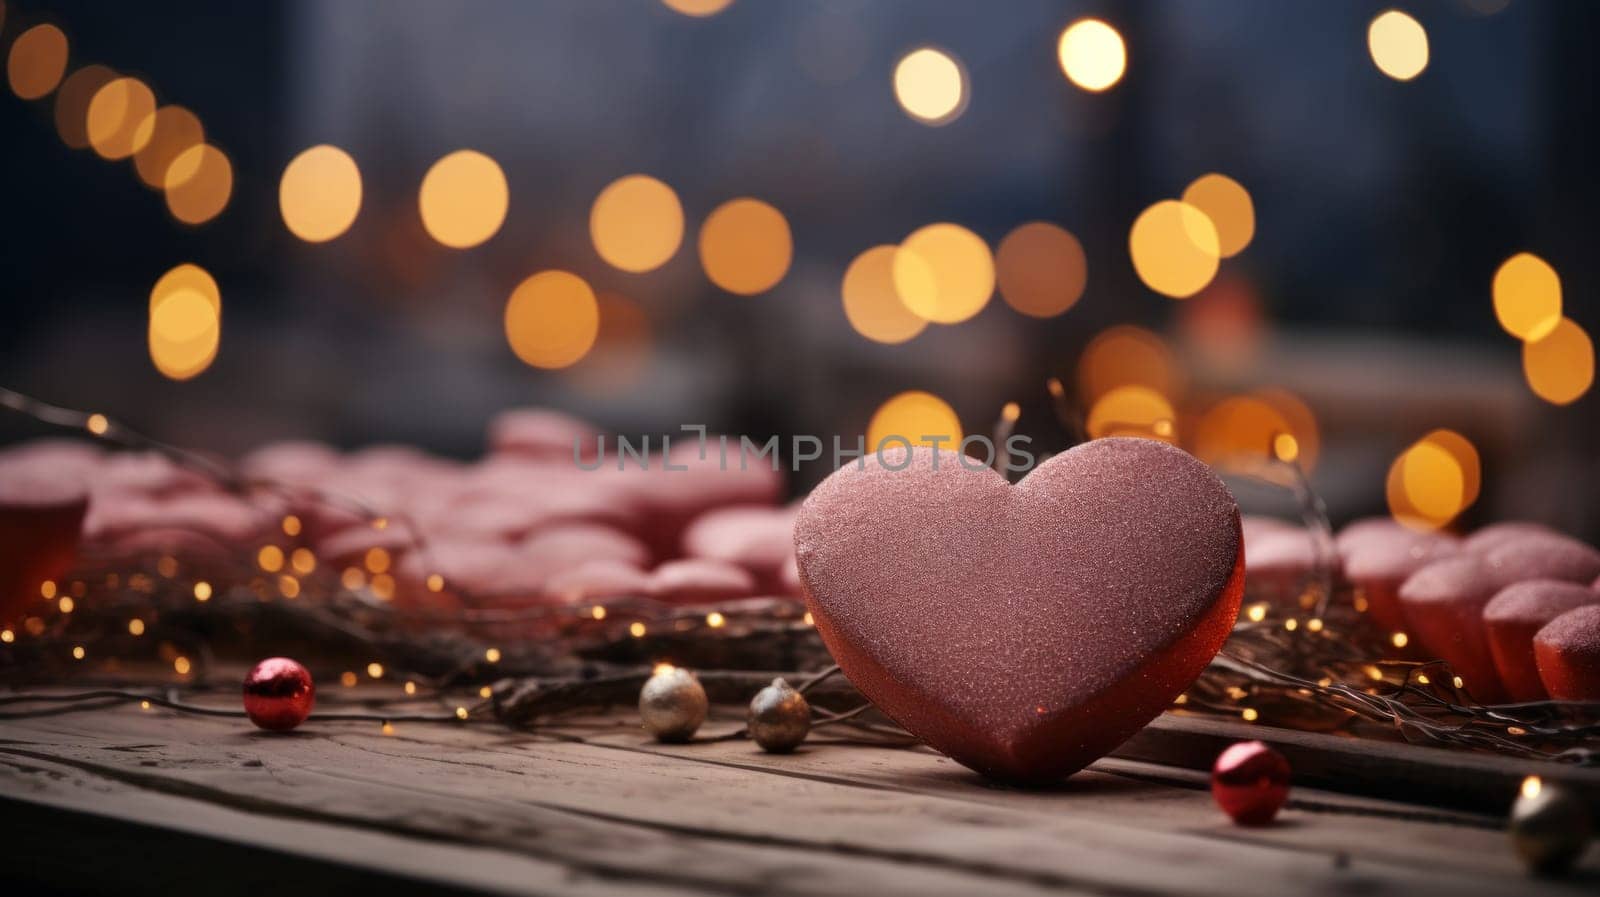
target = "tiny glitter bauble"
x: 672, y: 704
x: 1250, y: 782
x: 780, y: 717
x: 278, y: 694
x: 1549, y: 828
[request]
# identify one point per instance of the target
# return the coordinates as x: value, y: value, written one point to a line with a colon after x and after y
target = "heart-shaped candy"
x: 1023, y: 630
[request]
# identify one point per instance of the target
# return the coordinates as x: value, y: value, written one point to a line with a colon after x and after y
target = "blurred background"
x: 1355, y: 237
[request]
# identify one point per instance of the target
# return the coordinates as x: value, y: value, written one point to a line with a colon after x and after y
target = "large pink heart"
x: 1023, y: 630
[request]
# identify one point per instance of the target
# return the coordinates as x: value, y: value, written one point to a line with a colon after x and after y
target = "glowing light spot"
x: 1399, y: 45
x: 115, y: 114
x: 1227, y: 205
x: 1092, y: 54
x: 745, y: 246
x: 348, y: 679
x: 270, y: 558
x: 1303, y: 439
x: 485, y: 692
x: 162, y: 136
x: 199, y: 184
x: 697, y: 8
x: 1466, y: 456
x: 182, y: 665
x: 598, y: 612
x: 871, y: 304
x: 636, y: 223
x: 944, y: 273
x: 1527, y: 296
x: 931, y: 86
x: 303, y: 561
x: 375, y: 670
x: 552, y: 319
x: 202, y: 591
x: 411, y: 687
x: 1041, y: 269
x: 1291, y: 624
x: 492, y: 655
x: 1130, y: 411
x: 1256, y: 612
x: 808, y: 619
x: 320, y: 193
x: 1456, y: 681
x: 1175, y: 248
x: 185, y: 332
x: 461, y: 713
x: 383, y: 586
x: 1426, y: 487
x: 1285, y: 447
x: 1314, y: 624
x: 377, y: 560
x: 47, y: 589
x: 387, y: 728
x: 98, y: 425
x: 66, y: 604
x: 715, y: 620
x: 1126, y: 355
x: 291, y: 525
x: 1559, y: 366
x: 1249, y: 714
x: 920, y: 418
x: 72, y: 103
x: 637, y: 630
x: 352, y: 578
x: 1531, y: 786
x: 77, y: 652
x: 136, y: 626
x: 1239, y: 431
x: 144, y: 705
x: 38, y: 60
x: 380, y: 523
x: 662, y: 669
x: 1399, y: 639
x: 464, y: 198
x: 435, y: 582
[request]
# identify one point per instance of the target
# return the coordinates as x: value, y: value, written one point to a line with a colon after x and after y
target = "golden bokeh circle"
x: 1226, y: 203
x: 190, y: 277
x: 931, y: 86
x: 745, y: 246
x: 319, y: 194
x: 1240, y: 432
x: 1426, y: 487
x: 552, y: 319
x: 37, y: 60
x: 1175, y: 248
x: 636, y: 223
x: 697, y: 8
x: 1132, y: 411
x: 1527, y: 296
x: 114, y: 117
x: 1559, y: 366
x: 1126, y: 355
x: 184, y: 333
x: 199, y: 183
x: 912, y: 415
x: 72, y: 103
x: 1398, y: 44
x: 164, y: 135
x: 944, y: 273
x: 1092, y: 55
x: 1466, y: 457
x: 464, y: 199
x: 1041, y: 269
x: 871, y: 304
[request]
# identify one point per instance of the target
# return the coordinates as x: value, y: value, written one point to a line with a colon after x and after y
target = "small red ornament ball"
x: 1250, y: 782
x: 278, y: 693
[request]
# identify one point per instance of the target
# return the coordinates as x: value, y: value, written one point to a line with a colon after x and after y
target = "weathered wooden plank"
x: 631, y: 810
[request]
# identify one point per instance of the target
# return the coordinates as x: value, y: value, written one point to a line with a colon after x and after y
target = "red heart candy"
x: 1024, y: 630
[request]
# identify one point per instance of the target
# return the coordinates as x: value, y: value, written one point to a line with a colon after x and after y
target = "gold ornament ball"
x: 672, y: 704
x: 1549, y: 829
x: 780, y: 717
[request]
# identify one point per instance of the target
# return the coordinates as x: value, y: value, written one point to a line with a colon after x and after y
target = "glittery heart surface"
x: 1023, y: 630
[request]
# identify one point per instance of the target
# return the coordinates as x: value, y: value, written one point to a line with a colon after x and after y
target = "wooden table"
x: 149, y: 801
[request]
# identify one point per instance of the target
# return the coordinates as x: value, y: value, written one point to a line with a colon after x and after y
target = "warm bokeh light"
x: 1041, y: 269
x: 1466, y: 457
x: 913, y: 415
x: 1132, y: 411
x: 1303, y: 431
x: 1559, y: 366
x: 199, y: 184
x: 1240, y: 432
x: 186, y: 277
x: 37, y: 61
x: 72, y: 103
x: 1092, y: 54
x: 1426, y: 487
x: 697, y: 8
x: 1126, y: 355
x: 552, y: 319
x: 636, y: 223
x: 1227, y: 204
x: 1175, y: 248
x: 162, y: 137
x: 1399, y: 45
x: 184, y: 333
x: 115, y: 114
x: 1527, y: 296
x: 931, y: 86
x: 464, y: 198
x: 320, y: 193
x: 944, y: 273
x: 871, y: 304
x: 745, y: 246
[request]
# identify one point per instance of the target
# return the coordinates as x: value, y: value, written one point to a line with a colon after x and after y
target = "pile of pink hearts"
x: 1514, y: 608
x: 524, y: 526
